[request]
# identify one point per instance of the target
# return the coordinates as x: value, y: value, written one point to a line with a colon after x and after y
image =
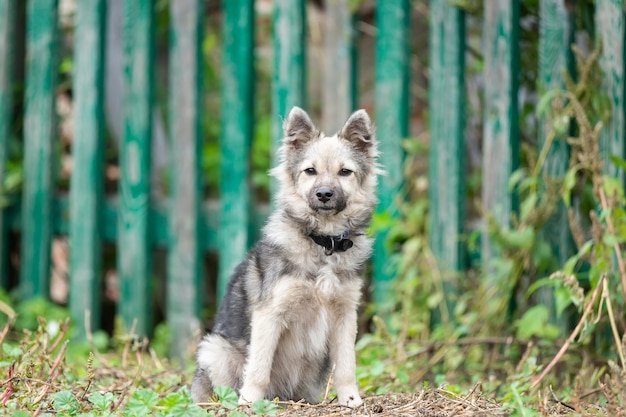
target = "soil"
x: 427, y: 403
x: 432, y: 403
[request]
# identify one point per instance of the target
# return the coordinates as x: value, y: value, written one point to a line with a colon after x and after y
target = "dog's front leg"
x: 344, y: 358
x: 264, y: 338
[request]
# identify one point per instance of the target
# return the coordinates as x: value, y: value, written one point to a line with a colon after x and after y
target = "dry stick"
x: 89, y: 335
x: 616, y: 248
x: 609, y: 307
x: 131, y: 337
x: 122, y: 395
x: 52, y: 374
x: 6, y: 329
x: 64, y: 327
x: 9, y: 389
x: 572, y: 336
x: 329, y: 384
x: 558, y: 401
x: 508, y: 340
x: 155, y: 359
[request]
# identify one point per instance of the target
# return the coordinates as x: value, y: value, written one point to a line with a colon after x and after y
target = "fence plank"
x: 610, y: 29
x: 237, y: 118
x: 39, y: 130
x: 184, y: 283
x: 556, y: 35
x: 7, y: 28
x: 446, y: 158
x: 337, y: 94
x: 289, y: 87
x: 392, y: 106
x: 87, y: 173
x: 134, y: 223
x: 501, y: 125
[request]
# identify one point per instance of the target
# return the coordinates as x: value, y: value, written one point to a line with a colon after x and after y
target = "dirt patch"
x: 432, y: 403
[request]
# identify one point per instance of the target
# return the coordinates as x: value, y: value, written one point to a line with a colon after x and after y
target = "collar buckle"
x: 332, y: 244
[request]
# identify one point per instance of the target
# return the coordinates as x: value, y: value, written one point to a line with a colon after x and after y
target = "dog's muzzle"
x: 327, y: 199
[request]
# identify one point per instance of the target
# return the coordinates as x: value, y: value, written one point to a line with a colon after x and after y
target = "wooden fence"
x: 181, y: 223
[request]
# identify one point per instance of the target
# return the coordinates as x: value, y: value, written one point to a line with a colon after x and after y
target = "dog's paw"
x: 248, y: 395
x: 349, y: 397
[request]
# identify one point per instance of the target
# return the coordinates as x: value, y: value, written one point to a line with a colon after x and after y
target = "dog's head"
x: 326, y: 176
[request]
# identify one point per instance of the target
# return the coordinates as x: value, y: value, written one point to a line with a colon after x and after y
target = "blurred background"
x: 136, y: 137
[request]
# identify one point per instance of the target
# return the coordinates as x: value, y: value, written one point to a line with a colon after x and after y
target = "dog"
x: 289, y: 314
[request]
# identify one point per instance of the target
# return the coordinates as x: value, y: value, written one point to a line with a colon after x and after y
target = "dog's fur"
x: 290, y: 311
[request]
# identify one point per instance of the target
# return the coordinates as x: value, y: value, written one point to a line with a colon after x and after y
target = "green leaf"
x: 403, y: 376
x: 541, y: 283
x: 12, y: 351
x: 619, y: 162
x: 571, y: 263
x: 102, y: 401
x: 562, y: 299
x: 535, y: 323
x: 141, y: 403
x: 65, y: 401
x: 568, y: 185
x: 378, y: 367
x: 237, y: 414
x: 528, y: 206
x: 518, y: 239
x: 227, y: 397
x: 561, y: 124
x: 613, y: 187
x: 516, y: 177
x: 545, y: 101
x: 609, y: 240
x: 265, y: 407
x: 542, y: 255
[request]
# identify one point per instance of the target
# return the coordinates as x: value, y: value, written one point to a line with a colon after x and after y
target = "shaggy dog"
x: 290, y: 311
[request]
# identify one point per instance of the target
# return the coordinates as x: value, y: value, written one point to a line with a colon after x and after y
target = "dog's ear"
x: 298, y: 127
x: 359, y: 131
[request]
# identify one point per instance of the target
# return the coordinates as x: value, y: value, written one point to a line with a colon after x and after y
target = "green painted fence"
x: 185, y: 224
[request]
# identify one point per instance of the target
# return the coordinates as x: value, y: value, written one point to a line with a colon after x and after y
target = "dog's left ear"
x: 359, y: 131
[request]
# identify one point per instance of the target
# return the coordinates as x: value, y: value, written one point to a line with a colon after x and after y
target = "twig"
x: 609, y: 307
x: 616, y: 248
x: 9, y: 389
x: 572, y: 336
x: 122, y: 395
x: 155, y: 359
x: 329, y: 384
x: 465, y: 342
x: 89, y: 335
x: 131, y: 337
x: 6, y: 329
x: 52, y: 374
x: 6, y: 309
x: 64, y: 327
x: 556, y: 400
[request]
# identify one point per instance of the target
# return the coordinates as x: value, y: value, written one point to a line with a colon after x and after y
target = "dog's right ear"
x: 298, y: 128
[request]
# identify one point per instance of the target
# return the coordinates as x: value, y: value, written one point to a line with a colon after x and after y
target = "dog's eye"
x: 310, y: 171
x: 344, y: 172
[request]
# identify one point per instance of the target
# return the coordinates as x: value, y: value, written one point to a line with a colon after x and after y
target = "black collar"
x: 339, y: 243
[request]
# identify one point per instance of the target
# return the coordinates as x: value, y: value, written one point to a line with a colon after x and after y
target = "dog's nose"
x: 324, y: 194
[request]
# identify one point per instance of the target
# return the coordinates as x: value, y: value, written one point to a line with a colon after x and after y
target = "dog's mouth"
x: 327, y: 208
